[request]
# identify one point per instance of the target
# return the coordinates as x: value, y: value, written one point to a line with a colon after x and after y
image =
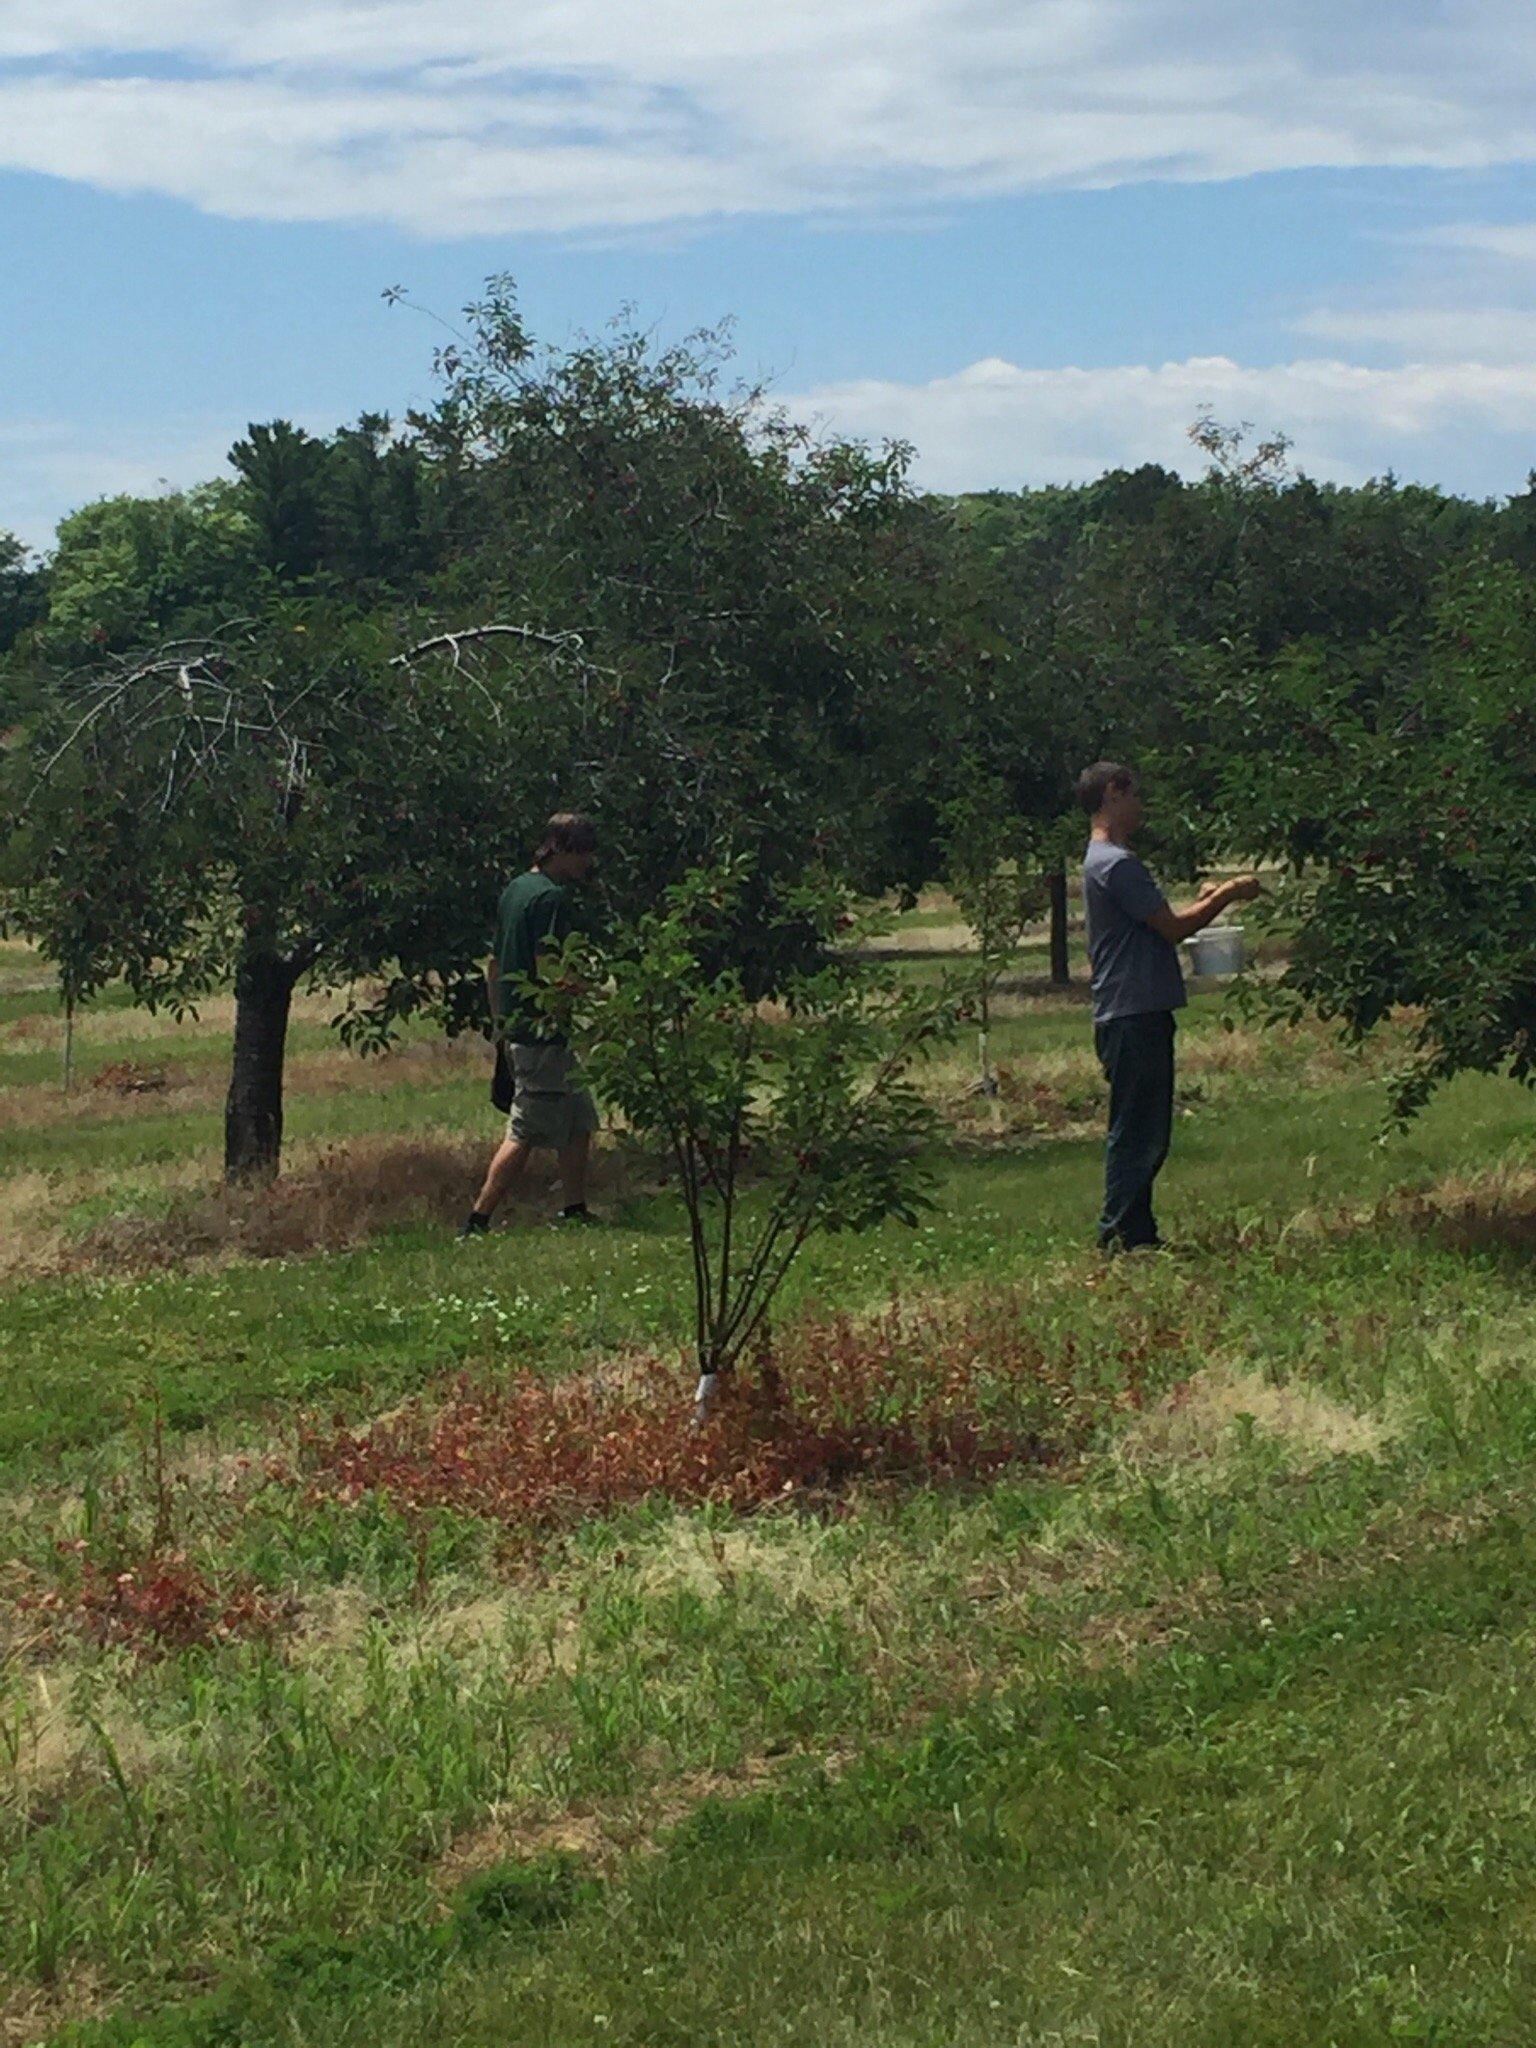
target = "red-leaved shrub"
x: 164, y: 1603
x: 944, y: 1393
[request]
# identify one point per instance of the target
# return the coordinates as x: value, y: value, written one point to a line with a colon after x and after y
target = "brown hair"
x: 567, y: 832
x: 1095, y: 783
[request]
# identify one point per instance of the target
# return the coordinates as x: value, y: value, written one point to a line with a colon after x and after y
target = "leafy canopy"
x: 1397, y: 782
x: 293, y: 790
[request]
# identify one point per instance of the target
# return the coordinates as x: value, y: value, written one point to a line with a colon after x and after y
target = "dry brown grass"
x: 174, y: 1089
x: 332, y: 1198
x: 1034, y: 995
x: 215, y: 1018
x: 30, y: 1240
x: 1491, y: 1212
x: 928, y: 938
x: 59, y: 1745
x: 349, y: 1193
x: 1062, y: 1092
x: 1202, y: 1418
x: 797, y: 1563
x: 28, y: 1030
x: 30, y: 2014
x: 1486, y: 1212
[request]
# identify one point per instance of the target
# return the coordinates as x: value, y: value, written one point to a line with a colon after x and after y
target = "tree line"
x: 291, y: 727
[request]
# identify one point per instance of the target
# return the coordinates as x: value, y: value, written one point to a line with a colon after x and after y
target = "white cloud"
x: 1469, y: 426
x: 1431, y: 334
x: 254, y: 149
x: 995, y: 424
x: 1466, y: 425
x: 1504, y: 241
x: 453, y: 116
x: 1453, y: 303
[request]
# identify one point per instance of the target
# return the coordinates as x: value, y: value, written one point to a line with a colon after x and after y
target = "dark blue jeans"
x: 1136, y: 1054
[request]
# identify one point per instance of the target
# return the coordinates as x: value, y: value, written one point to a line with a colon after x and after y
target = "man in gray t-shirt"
x: 1133, y: 938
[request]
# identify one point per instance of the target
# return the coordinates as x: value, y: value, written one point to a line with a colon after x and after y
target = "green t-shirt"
x: 532, y: 912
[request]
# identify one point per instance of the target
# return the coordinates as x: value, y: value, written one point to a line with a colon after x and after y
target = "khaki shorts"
x: 550, y: 1103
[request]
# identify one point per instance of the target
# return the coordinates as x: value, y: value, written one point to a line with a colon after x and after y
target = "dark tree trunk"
x: 1061, y: 968
x: 253, y: 1111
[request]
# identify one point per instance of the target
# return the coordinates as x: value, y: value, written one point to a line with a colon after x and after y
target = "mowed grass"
x: 1217, y: 1732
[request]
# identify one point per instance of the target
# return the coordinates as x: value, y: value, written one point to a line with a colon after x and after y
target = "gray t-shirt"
x: 1135, y: 969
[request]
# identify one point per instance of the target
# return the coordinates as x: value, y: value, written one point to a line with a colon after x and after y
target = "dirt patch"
x: 136, y: 1077
x: 600, y: 1835
x: 27, y: 1030
x: 1119, y: 1637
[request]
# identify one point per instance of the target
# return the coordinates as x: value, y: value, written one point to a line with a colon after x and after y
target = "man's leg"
x: 578, y: 1122
x: 1109, y: 1041
x: 573, y: 1171
x: 1159, y: 1054
x: 1137, y: 1056
x: 502, y: 1174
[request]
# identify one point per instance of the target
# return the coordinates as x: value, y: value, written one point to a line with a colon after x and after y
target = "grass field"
x: 1208, y: 1722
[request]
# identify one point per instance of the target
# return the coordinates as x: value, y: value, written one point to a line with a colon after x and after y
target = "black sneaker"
x: 574, y: 1212
x: 474, y: 1225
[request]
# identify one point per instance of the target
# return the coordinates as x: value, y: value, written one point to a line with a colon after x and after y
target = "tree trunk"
x: 253, y: 1110
x: 1061, y: 969
x: 984, y: 1035
x: 69, y: 1042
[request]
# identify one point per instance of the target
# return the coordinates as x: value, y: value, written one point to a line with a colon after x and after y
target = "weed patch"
x: 942, y: 1393
x: 164, y: 1602
x: 1491, y: 1212
x: 136, y: 1077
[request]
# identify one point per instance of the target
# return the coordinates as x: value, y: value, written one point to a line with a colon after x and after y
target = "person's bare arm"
x: 493, y: 989
x: 1175, y: 925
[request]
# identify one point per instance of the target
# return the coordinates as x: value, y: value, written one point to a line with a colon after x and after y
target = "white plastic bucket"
x: 1217, y: 950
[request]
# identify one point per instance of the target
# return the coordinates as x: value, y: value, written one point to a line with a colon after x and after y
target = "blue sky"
x: 1034, y: 238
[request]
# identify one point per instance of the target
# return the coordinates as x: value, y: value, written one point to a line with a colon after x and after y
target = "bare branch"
x: 562, y: 643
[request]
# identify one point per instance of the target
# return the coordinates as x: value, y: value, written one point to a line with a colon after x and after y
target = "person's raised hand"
x: 1243, y: 888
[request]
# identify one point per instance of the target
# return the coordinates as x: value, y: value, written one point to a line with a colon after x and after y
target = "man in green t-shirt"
x: 550, y: 1106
